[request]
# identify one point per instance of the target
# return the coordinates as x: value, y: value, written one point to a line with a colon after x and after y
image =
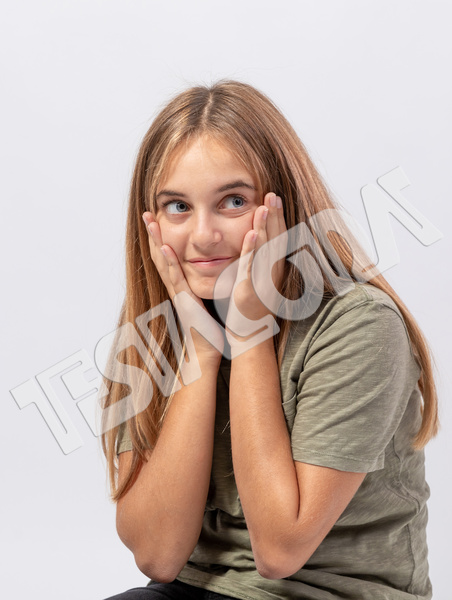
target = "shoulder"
x: 363, y: 314
x: 347, y: 380
x: 123, y: 441
x: 353, y: 346
x: 361, y: 300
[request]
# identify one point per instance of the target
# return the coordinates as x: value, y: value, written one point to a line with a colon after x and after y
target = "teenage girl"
x: 285, y: 459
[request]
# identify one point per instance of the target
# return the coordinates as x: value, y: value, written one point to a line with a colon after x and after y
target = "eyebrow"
x: 224, y: 188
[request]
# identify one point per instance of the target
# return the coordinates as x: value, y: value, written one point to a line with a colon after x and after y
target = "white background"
x: 367, y: 86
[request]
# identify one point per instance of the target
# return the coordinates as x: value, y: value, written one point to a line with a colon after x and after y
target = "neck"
x: 217, y: 308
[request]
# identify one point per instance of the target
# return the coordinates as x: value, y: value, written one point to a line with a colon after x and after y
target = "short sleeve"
x: 353, y: 390
x: 124, y: 442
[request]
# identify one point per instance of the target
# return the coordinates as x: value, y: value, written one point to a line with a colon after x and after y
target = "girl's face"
x: 205, y: 206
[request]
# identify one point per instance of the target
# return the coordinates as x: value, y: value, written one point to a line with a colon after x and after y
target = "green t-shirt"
x: 351, y: 402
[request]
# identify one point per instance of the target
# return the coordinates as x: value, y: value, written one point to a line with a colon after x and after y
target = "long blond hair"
x: 247, y: 122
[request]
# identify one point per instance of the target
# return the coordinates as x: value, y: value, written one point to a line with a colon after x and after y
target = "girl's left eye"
x: 234, y: 202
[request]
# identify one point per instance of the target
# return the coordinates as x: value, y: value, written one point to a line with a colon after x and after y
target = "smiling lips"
x: 205, y: 263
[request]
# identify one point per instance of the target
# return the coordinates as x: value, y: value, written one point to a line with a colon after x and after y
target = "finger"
x: 275, y: 222
x: 166, y: 261
x: 271, y: 253
x: 260, y: 225
x: 280, y: 212
x: 155, y: 243
x: 276, y: 227
x: 246, y: 255
x: 249, y: 242
x: 178, y: 282
x: 153, y: 228
x: 272, y: 221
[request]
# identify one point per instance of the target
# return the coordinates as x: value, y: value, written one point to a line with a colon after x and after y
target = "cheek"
x: 240, y: 229
x: 172, y: 236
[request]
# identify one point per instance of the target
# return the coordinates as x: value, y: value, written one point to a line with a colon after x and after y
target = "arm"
x: 289, y: 506
x: 159, y: 519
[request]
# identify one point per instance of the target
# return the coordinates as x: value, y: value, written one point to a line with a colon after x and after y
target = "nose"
x: 205, y: 230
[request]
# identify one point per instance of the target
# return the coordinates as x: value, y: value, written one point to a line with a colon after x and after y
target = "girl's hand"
x: 172, y: 275
x: 166, y: 262
x: 261, y: 260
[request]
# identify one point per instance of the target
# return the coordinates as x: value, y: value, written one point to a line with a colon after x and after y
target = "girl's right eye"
x: 175, y: 207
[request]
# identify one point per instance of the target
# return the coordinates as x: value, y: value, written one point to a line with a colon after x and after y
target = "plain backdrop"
x: 367, y: 87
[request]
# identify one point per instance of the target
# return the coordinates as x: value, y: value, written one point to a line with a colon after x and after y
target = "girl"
x: 285, y: 461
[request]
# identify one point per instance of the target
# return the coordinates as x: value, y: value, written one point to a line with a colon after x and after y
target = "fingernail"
x: 278, y: 202
x: 272, y: 200
x: 253, y: 236
x: 265, y: 215
x: 163, y: 251
x: 144, y: 219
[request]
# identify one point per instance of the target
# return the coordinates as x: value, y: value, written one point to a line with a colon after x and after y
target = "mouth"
x: 210, y: 262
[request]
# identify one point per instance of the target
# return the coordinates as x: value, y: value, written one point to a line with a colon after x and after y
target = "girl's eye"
x: 234, y: 202
x: 176, y: 207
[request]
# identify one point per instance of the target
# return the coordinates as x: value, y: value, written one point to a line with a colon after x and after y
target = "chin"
x: 213, y: 286
x: 208, y: 290
x: 205, y: 292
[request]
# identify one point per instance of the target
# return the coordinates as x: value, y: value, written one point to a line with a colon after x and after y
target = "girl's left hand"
x: 268, y: 268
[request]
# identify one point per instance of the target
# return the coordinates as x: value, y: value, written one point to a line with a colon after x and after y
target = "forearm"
x: 160, y: 518
x: 263, y: 464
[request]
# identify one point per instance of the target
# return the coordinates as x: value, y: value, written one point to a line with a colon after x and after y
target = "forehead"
x: 203, y: 159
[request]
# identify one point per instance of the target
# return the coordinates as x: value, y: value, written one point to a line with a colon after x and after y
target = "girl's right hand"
x: 166, y: 262
x: 172, y: 275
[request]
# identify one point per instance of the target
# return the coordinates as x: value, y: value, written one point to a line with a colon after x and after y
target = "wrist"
x: 209, y: 361
x: 258, y: 353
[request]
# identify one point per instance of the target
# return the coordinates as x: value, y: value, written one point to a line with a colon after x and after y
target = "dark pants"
x: 169, y: 591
